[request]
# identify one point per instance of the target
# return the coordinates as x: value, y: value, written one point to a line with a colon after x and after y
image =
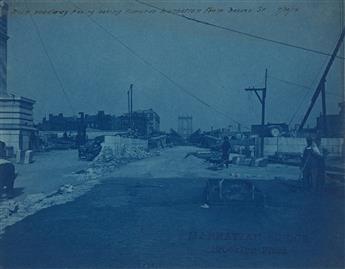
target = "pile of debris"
x: 108, y: 159
x: 107, y: 154
x: 89, y: 151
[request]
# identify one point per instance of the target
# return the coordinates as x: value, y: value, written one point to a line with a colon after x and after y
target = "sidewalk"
x: 50, y: 180
x: 49, y: 171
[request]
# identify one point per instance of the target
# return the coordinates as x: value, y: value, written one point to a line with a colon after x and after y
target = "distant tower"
x: 185, y: 127
x: 16, y: 119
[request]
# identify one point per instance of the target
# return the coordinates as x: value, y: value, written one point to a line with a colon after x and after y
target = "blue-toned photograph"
x: 172, y: 134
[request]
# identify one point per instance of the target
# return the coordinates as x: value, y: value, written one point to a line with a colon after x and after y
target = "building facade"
x: 58, y: 123
x: 16, y: 113
x: 142, y: 122
x: 16, y: 122
x: 335, y: 123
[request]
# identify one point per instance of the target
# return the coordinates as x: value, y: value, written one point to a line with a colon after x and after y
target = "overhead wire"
x: 133, y: 52
x: 237, y: 31
x: 51, y: 62
x: 317, y: 75
x: 300, y: 85
x: 303, y: 100
x: 244, y: 34
x: 154, y: 68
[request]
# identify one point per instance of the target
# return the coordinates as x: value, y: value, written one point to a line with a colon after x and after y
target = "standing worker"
x: 319, y: 172
x: 307, y: 164
x: 226, y: 147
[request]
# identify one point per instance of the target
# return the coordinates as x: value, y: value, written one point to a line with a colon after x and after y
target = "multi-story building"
x: 58, y: 123
x: 100, y: 121
x: 143, y: 122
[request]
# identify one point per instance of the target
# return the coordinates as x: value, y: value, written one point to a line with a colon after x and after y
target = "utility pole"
x: 129, y: 109
x: 131, y: 89
x: 130, y: 105
x: 262, y: 100
x: 324, y: 113
x: 321, y: 87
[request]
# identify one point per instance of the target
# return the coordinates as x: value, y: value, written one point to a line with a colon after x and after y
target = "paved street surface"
x: 138, y: 218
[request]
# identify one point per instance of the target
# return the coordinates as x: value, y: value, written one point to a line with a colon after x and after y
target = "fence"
x: 296, y: 145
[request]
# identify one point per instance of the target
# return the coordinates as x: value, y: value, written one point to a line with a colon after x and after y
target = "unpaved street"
x: 173, y: 163
x: 147, y: 215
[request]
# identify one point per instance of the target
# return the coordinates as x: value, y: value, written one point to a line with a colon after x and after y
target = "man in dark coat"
x: 226, y: 147
x: 319, y: 172
x: 308, y: 164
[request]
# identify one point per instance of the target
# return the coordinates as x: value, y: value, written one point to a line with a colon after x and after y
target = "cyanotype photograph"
x: 172, y: 134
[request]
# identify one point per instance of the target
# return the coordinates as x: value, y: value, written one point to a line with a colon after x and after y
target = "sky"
x: 70, y: 62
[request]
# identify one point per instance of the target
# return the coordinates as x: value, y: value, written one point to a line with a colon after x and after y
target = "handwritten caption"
x: 276, y: 11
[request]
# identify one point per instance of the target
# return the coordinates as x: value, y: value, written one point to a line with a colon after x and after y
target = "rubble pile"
x: 108, y: 159
x: 107, y: 154
x: 8, y: 208
x: 67, y: 188
x: 135, y: 153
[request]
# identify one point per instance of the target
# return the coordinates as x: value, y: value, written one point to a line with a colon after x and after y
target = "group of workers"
x: 312, y: 165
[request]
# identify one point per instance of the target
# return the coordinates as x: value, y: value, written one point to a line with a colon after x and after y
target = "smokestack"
x: 3, y: 47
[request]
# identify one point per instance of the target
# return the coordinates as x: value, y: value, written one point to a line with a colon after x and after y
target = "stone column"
x: 3, y: 48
